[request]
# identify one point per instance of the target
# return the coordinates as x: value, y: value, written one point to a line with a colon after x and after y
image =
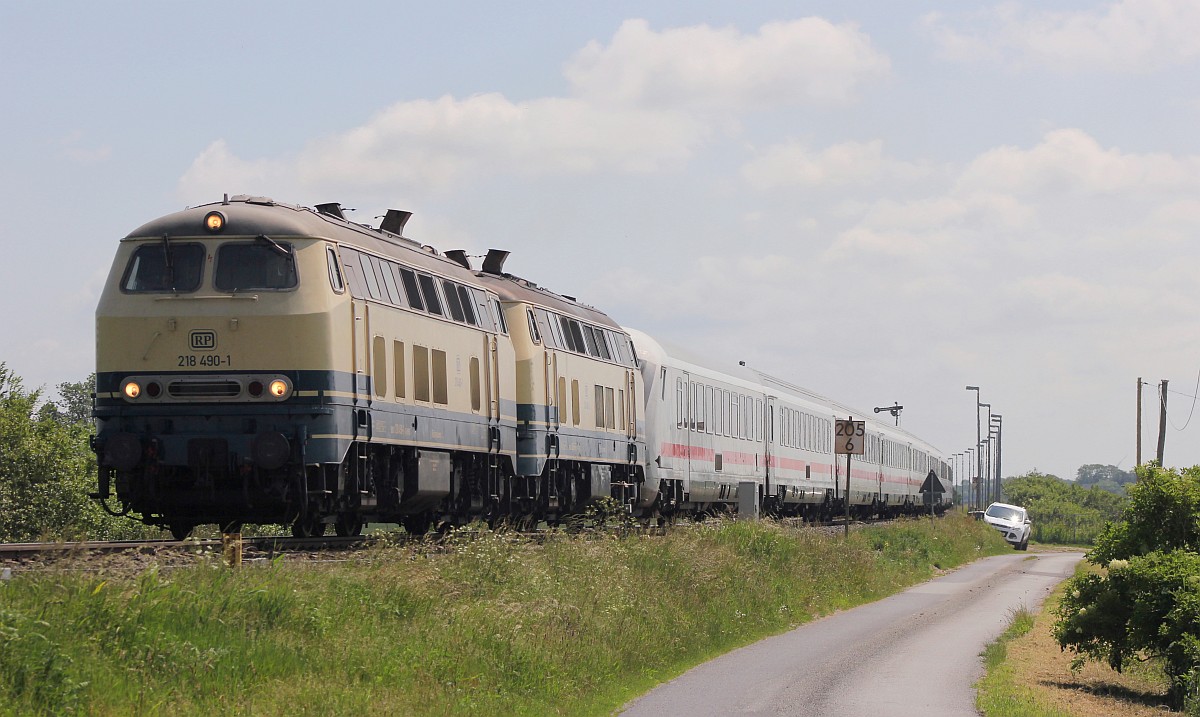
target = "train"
x: 268, y: 363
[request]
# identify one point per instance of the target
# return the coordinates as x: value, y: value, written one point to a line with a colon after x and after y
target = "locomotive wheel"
x: 311, y: 528
x: 348, y: 525
x: 180, y: 531
x: 417, y: 524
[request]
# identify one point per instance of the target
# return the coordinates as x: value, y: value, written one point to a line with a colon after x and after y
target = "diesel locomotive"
x: 259, y: 362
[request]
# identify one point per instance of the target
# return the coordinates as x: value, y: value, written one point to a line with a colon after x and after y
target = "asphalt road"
x: 915, y: 653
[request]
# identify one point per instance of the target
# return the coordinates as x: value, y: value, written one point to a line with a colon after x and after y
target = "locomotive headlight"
x: 214, y: 222
x: 131, y: 390
x: 279, y: 388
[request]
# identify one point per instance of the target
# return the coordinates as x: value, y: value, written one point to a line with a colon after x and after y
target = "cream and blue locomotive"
x: 266, y: 363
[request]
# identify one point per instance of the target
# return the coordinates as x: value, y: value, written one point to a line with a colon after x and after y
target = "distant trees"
x: 1063, y: 511
x: 1109, y: 478
x: 1145, y: 602
x: 47, y: 467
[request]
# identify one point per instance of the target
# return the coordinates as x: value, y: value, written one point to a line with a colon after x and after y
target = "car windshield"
x: 1003, y: 512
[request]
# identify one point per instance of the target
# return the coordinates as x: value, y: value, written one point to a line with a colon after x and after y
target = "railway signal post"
x: 850, y: 438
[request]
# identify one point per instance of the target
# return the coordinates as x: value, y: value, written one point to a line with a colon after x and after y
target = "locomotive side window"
x: 429, y: 292
x: 389, y: 281
x: 409, y: 279
x: 565, y: 324
x: 398, y: 355
x: 498, y: 315
x: 534, y: 334
x: 263, y: 265
x: 420, y: 373
x: 452, y: 301
x: 468, y: 305
x: 164, y: 267
x: 335, y: 274
x: 589, y: 338
x: 440, y: 385
x: 372, y: 278
x: 352, y: 260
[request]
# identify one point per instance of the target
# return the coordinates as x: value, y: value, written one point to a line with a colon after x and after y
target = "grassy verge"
x: 483, y: 623
x: 1029, y: 676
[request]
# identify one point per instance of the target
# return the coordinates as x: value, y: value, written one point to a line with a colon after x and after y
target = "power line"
x: 1191, y: 411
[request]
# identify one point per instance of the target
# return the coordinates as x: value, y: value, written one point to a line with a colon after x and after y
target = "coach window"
x: 335, y: 274
x: 429, y: 292
x: 263, y: 264
x: 164, y: 267
x: 453, y: 303
x: 680, y: 416
x: 409, y: 279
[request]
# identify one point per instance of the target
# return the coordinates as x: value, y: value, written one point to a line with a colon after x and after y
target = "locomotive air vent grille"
x: 204, y: 388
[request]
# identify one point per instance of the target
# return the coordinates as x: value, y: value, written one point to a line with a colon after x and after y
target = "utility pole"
x: 999, y: 474
x: 1139, y: 422
x: 1162, y: 419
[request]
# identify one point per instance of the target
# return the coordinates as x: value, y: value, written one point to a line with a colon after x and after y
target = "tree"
x: 1147, y: 600
x: 1109, y: 478
x: 47, y: 468
x: 1063, y: 511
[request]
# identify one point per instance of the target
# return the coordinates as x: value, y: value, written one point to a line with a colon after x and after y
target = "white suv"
x: 1012, y: 521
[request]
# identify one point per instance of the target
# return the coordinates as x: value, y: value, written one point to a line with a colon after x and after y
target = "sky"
x: 884, y: 202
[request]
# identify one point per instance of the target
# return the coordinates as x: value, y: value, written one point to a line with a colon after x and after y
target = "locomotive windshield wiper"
x: 278, y: 248
x: 169, y: 266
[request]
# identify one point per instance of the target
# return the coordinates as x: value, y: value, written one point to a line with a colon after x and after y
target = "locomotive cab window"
x: 259, y: 265
x: 164, y: 267
x: 335, y: 274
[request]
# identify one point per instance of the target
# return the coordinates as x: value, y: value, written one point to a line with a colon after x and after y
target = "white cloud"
x: 1126, y: 36
x: 1071, y: 161
x: 848, y: 163
x: 803, y: 61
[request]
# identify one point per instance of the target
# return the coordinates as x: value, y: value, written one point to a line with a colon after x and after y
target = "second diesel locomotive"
x: 268, y: 363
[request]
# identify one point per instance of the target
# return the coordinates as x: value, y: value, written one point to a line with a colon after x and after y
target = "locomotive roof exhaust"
x: 333, y: 209
x: 493, y: 263
x: 394, y: 221
x: 458, y: 256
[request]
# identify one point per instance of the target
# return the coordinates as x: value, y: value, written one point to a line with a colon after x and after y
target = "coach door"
x: 768, y: 452
x: 686, y: 422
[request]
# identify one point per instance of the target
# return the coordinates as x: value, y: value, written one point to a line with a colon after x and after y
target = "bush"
x: 1146, y: 600
x: 47, y: 468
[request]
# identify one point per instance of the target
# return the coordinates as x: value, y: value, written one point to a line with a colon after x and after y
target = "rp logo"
x: 203, y: 340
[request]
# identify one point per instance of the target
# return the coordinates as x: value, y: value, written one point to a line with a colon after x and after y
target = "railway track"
x: 265, y: 544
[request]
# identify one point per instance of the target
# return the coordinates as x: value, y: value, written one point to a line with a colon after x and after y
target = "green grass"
x: 482, y: 623
x: 1000, y: 693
